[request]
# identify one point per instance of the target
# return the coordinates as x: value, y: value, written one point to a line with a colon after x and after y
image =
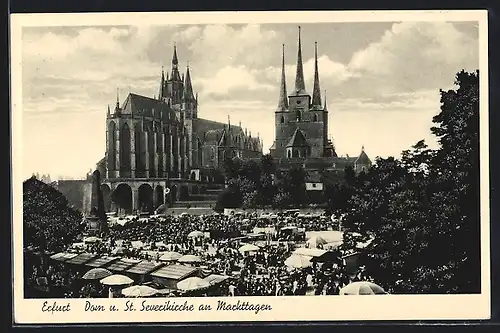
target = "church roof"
x: 297, y: 139
x: 142, y: 105
x: 363, y: 158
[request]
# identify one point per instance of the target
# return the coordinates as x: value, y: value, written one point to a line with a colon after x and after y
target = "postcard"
x: 250, y: 166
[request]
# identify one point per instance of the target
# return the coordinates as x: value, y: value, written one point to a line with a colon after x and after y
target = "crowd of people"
x: 262, y: 271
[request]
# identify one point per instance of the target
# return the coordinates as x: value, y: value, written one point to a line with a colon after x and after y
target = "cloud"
x: 188, y: 34
x: 218, y: 46
x: 228, y: 79
x: 414, y: 56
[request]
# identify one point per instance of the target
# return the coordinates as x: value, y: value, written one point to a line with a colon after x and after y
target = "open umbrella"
x: 139, y: 291
x: 116, y: 280
x: 119, y: 250
x: 189, y: 258
x: 96, y: 274
x: 316, y: 240
x: 362, y: 288
x: 196, y: 234
x: 193, y: 283
x: 171, y: 256
x: 249, y: 248
x: 298, y: 261
x: 92, y: 239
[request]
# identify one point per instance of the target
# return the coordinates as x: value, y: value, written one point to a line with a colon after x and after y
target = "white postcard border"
x: 314, y: 308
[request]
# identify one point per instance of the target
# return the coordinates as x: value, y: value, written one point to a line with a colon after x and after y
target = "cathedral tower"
x: 301, y: 122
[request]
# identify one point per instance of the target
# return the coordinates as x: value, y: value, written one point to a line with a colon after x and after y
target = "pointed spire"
x: 316, y: 98
x: 188, y: 88
x: 240, y: 123
x: 117, y: 98
x: 175, y: 61
x: 283, y: 99
x: 300, y: 87
x: 325, y: 107
x: 109, y: 112
x: 362, y: 148
x: 175, y: 76
x: 229, y: 121
x: 162, y: 83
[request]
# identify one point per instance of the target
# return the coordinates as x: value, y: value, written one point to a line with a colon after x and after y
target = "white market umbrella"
x: 316, y: 241
x: 196, y: 234
x: 362, y: 288
x: 116, y: 280
x: 170, y: 256
x: 118, y: 250
x: 193, y: 283
x: 139, y: 291
x: 189, y: 258
x: 92, y: 239
x: 96, y: 274
x: 298, y: 261
x: 249, y: 248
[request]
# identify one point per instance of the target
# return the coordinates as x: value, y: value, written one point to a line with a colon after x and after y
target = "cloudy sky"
x: 382, y: 80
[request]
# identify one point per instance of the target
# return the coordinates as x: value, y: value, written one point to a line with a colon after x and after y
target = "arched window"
x: 289, y: 153
x: 112, y: 146
x: 298, y: 115
x: 125, y: 164
x: 140, y: 152
x: 282, y: 119
x: 315, y: 117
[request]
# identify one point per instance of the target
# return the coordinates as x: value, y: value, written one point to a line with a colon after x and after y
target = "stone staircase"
x: 197, y: 204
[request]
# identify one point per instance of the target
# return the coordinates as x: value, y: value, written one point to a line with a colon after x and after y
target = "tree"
x: 294, y: 185
x: 423, y: 211
x: 49, y: 223
x: 455, y: 181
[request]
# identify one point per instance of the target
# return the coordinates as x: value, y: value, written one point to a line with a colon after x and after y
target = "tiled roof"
x: 175, y: 272
x: 122, y: 265
x: 145, y: 267
x: 81, y: 258
x: 101, y: 262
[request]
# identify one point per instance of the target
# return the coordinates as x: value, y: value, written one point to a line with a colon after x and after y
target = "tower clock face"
x: 299, y: 101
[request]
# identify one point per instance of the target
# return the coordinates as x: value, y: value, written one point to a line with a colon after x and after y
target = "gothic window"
x: 298, y: 115
x: 139, y: 150
x: 295, y: 153
x: 125, y: 148
x: 282, y: 119
x: 289, y: 153
x: 212, y: 154
x: 111, y: 146
x: 233, y: 154
x: 315, y: 117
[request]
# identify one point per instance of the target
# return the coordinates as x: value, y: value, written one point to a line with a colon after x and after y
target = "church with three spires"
x: 301, y: 129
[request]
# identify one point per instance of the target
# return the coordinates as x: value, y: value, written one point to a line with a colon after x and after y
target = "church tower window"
x: 282, y: 119
x: 315, y: 117
x: 298, y: 115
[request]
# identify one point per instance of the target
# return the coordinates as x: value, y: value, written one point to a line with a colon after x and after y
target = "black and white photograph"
x: 228, y: 161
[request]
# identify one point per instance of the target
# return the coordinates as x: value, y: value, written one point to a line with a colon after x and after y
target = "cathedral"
x: 157, y: 143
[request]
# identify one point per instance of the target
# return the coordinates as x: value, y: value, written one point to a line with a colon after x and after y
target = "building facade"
x: 157, y: 143
x: 301, y: 130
